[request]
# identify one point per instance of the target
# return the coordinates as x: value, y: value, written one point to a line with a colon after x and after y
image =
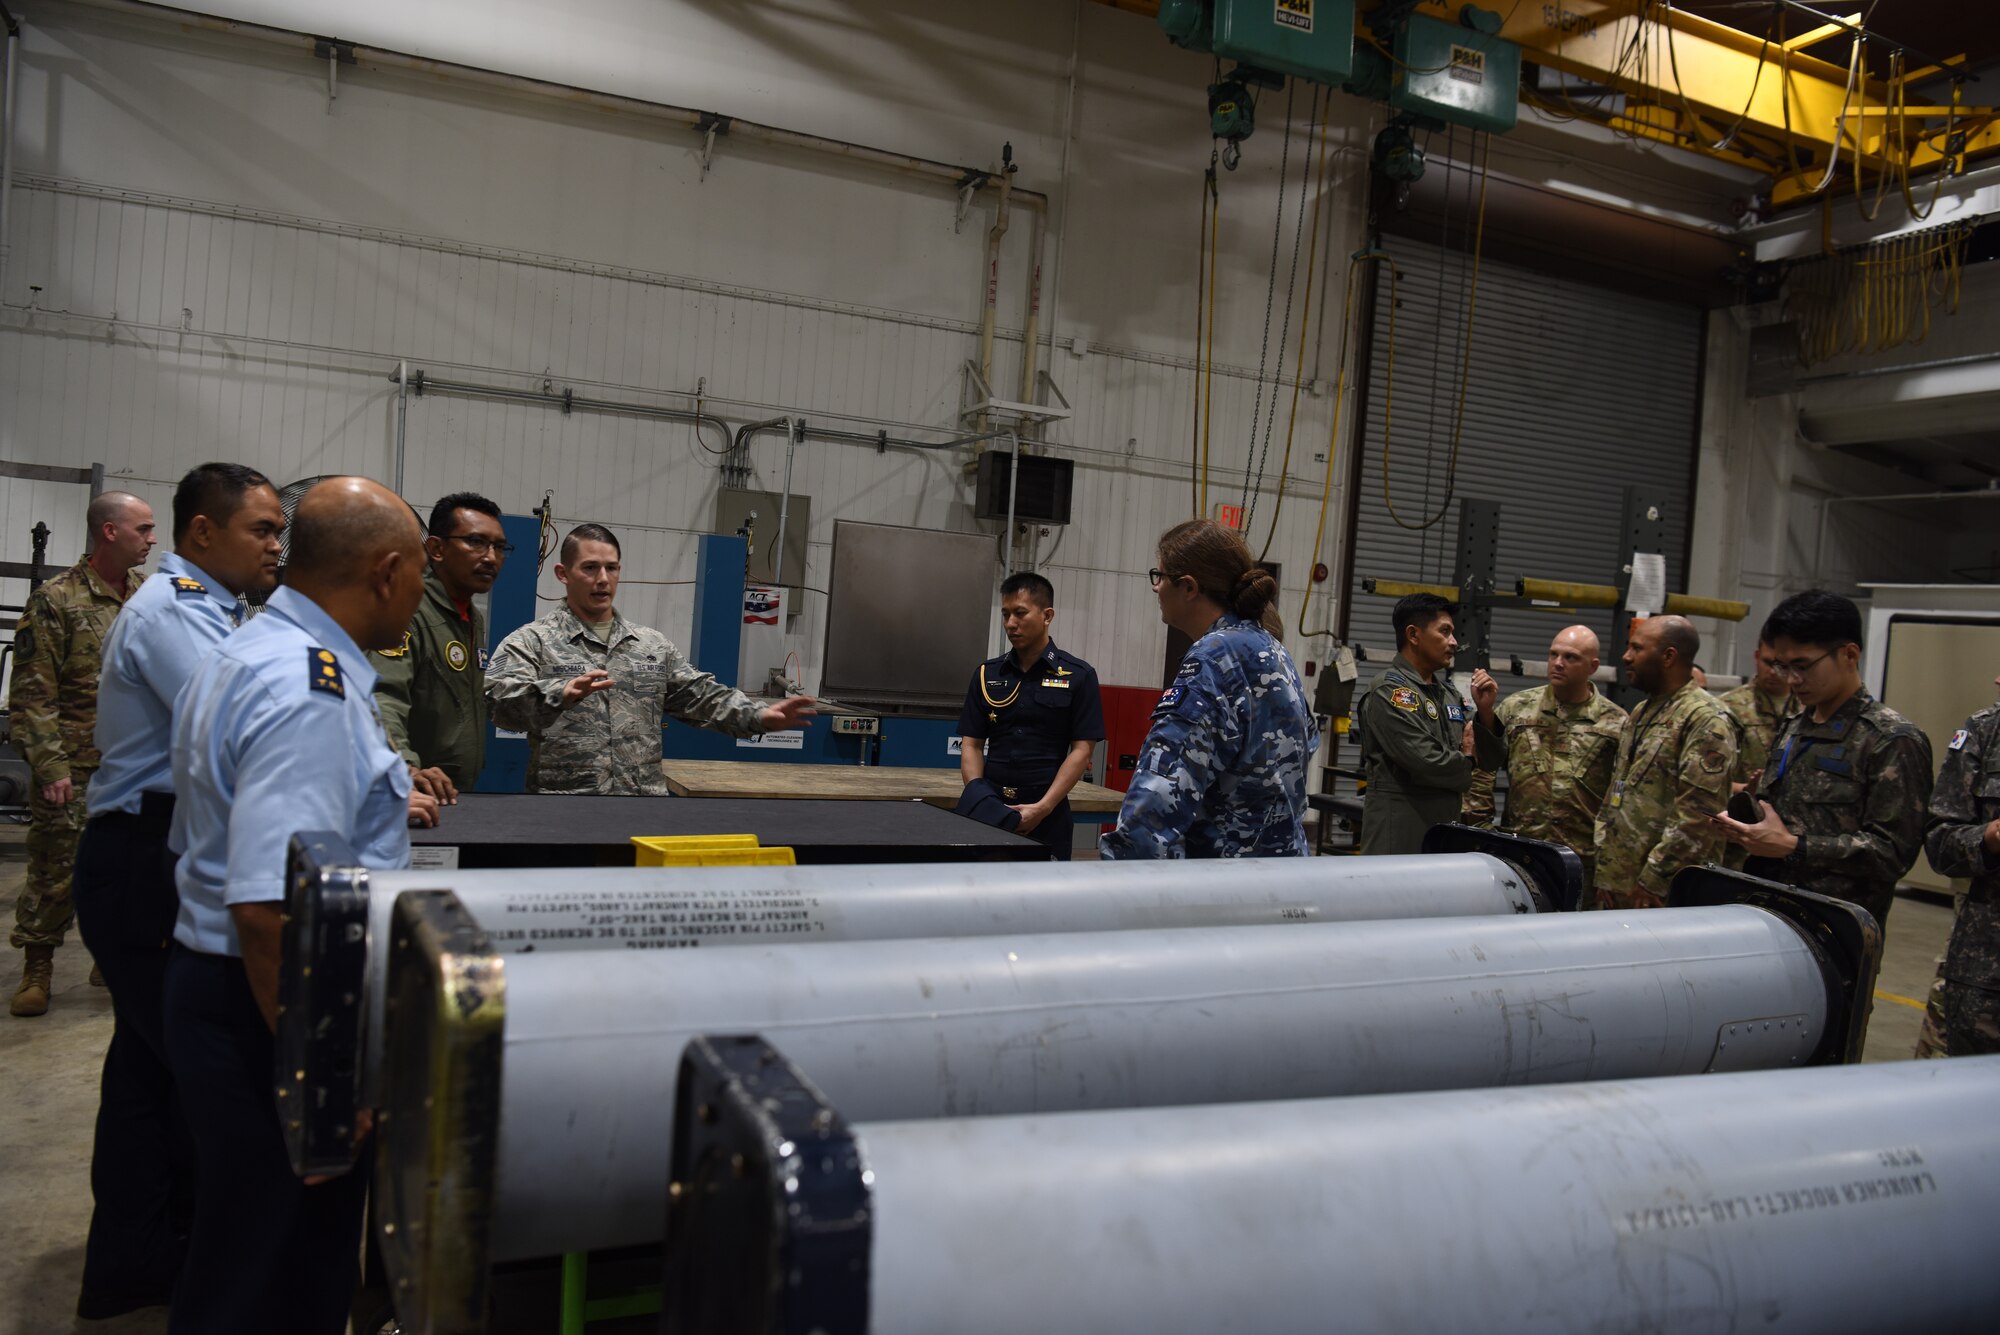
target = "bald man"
x: 1675, y: 754
x: 1562, y: 742
x: 52, y: 706
x: 275, y: 733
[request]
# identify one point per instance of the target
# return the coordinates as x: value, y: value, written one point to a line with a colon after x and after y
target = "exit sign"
x: 1229, y: 516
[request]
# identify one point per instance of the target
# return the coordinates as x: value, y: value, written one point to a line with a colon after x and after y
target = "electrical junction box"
x: 1041, y: 496
x: 1312, y: 39
x: 856, y: 725
x: 1457, y: 75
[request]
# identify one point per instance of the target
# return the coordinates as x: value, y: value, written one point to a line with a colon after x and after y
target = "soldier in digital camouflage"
x: 1962, y: 839
x: 592, y: 690
x: 1562, y: 744
x: 52, y: 715
x: 1420, y: 742
x: 1844, y: 793
x: 1222, y: 772
x: 1675, y: 754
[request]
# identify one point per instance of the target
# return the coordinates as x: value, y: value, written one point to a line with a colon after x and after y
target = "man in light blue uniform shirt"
x: 226, y: 525
x: 277, y: 732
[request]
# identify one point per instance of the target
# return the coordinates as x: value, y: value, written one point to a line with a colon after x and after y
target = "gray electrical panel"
x: 909, y: 614
x: 733, y: 511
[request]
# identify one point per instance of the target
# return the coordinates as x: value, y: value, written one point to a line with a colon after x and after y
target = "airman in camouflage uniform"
x: 1760, y: 708
x: 592, y: 695
x: 1675, y: 754
x: 1559, y: 762
x: 52, y: 713
x: 1962, y: 838
x: 1222, y: 773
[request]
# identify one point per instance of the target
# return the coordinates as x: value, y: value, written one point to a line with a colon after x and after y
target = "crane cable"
x: 1464, y: 373
x: 1204, y: 309
x: 1298, y: 371
x: 1371, y: 254
x: 1271, y: 290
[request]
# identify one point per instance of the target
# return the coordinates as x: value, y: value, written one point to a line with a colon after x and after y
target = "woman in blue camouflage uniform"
x: 1222, y: 774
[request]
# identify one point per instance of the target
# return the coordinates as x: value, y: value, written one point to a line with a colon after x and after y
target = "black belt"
x: 154, y: 809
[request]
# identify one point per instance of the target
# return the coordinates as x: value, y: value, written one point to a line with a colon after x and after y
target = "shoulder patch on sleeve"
x: 400, y: 651
x: 1169, y: 699
x: 1188, y: 667
x: 1404, y: 698
x: 24, y: 641
x: 1714, y: 762
x: 323, y: 672
x: 189, y: 588
x: 1958, y: 740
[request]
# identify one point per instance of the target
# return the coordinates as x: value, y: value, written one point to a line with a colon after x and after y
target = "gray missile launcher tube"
x: 1839, y: 1201
x: 517, y: 1086
x: 336, y: 943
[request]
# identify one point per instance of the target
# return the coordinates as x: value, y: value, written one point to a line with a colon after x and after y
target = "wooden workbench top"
x: 756, y: 778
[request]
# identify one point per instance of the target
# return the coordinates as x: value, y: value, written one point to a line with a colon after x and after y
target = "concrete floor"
x: 48, y: 1100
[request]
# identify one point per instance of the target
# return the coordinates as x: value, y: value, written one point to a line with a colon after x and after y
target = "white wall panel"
x: 230, y: 268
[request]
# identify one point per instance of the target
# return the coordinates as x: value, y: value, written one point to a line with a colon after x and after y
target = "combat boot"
x: 37, y: 981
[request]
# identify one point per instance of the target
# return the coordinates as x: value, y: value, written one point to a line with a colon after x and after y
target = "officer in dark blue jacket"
x: 1031, y: 717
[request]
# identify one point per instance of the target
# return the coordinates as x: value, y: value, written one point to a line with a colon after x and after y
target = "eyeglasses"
x: 1159, y: 577
x: 1797, y: 671
x: 479, y: 546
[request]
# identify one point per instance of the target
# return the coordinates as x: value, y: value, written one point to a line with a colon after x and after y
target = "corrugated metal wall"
x: 169, y: 331
x: 1574, y: 393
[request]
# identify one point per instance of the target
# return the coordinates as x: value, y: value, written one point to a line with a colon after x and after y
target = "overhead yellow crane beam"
x: 1703, y: 86
x: 1689, y: 80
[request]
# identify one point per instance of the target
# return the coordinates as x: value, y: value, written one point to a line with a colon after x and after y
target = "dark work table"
x: 553, y: 830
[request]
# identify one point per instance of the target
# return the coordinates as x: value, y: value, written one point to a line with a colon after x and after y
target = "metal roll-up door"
x: 1575, y: 392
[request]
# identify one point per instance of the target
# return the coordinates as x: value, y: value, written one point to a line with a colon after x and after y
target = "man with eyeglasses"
x: 432, y: 691
x: 1844, y: 793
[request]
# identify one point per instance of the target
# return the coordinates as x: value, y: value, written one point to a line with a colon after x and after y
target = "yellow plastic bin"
x: 707, y: 850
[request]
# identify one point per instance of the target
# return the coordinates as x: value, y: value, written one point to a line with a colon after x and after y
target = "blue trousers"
x: 268, y: 1253
x: 142, y: 1164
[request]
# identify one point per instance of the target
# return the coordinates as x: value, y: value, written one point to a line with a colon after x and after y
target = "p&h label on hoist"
x: 1468, y: 65
x: 1294, y: 14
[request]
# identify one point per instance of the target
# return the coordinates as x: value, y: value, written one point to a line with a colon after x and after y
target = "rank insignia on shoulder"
x: 189, y: 588
x: 1402, y: 697
x: 323, y: 672
x: 400, y: 651
x: 1958, y: 740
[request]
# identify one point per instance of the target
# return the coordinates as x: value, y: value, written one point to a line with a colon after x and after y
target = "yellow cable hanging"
x: 1464, y: 371
x: 1208, y: 356
x: 1305, y: 324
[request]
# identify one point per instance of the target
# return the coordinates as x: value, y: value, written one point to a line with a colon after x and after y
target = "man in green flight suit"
x: 432, y: 692
x: 1420, y: 743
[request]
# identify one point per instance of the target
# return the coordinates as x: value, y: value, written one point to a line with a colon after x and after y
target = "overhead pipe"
x: 570, y: 95
x: 402, y: 379
x: 989, y: 311
x: 792, y: 429
x: 564, y: 400
x: 1062, y: 222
